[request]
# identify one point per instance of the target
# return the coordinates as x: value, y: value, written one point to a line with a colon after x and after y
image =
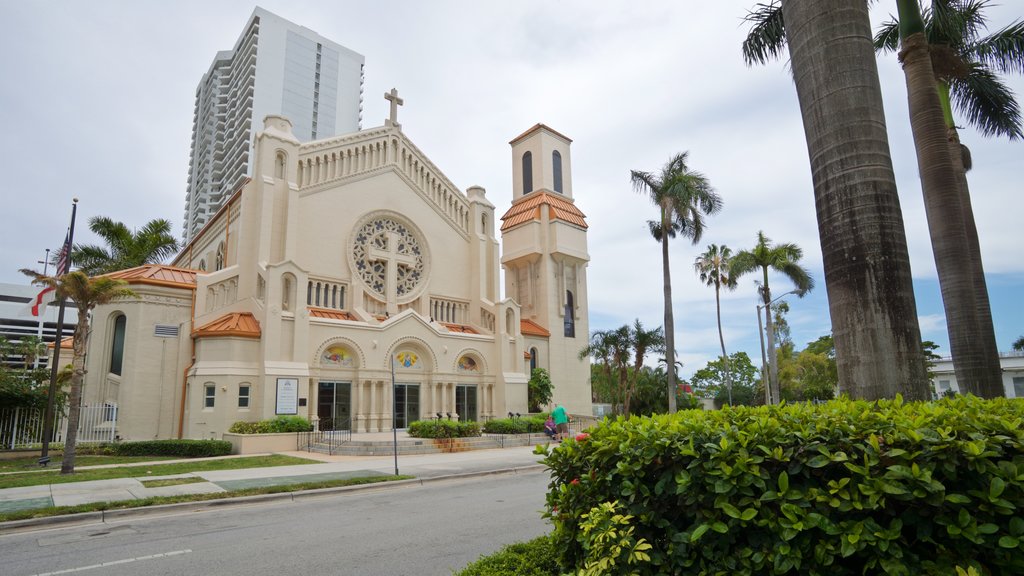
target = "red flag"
x: 37, y: 306
x: 64, y: 257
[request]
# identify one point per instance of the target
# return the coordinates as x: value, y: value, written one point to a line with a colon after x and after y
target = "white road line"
x: 116, y: 562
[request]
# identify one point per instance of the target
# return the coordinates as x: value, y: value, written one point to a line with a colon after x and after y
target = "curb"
x: 105, y: 516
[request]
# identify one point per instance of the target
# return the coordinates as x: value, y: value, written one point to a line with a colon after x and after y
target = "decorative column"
x: 388, y: 403
x: 371, y: 424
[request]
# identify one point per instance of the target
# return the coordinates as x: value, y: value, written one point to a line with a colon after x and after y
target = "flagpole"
x: 44, y: 456
x: 394, y: 413
x: 42, y: 317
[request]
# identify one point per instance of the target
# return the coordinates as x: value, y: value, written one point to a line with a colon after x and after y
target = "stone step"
x: 429, y: 445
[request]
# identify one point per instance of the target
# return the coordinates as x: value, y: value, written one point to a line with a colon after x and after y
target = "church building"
x: 350, y: 282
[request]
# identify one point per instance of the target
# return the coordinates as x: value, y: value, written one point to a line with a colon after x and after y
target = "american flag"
x: 64, y: 257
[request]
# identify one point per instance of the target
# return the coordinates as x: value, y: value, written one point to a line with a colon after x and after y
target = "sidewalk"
x: 423, y: 467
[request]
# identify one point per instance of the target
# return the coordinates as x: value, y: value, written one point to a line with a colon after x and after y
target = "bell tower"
x: 544, y: 254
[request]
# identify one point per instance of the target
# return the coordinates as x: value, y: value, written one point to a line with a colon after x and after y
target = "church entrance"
x: 465, y: 403
x: 407, y: 404
x: 334, y: 405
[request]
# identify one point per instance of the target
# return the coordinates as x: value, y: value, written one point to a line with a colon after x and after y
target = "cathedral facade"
x: 349, y: 281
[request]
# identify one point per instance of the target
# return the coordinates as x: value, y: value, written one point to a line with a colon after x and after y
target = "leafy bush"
x: 443, y: 429
x: 533, y: 558
x: 182, y: 448
x: 523, y: 425
x: 275, y: 426
x: 846, y: 487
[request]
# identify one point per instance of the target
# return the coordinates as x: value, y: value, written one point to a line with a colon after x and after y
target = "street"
x: 421, y: 530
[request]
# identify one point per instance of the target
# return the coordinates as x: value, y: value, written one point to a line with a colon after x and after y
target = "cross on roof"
x: 395, y: 101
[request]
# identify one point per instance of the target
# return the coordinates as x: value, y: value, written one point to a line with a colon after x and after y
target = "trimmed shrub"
x: 443, y: 429
x: 523, y: 425
x: 846, y: 487
x: 275, y: 426
x: 532, y: 558
x: 182, y: 448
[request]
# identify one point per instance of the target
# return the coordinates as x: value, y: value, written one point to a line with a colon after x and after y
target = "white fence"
x: 23, y: 427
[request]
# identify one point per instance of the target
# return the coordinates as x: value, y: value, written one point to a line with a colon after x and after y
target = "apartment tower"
x: 276, y: 67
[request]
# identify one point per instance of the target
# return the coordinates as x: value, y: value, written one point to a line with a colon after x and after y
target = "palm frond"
x: 955, y: 22
x: 766, y: 39
x: 1002, y: 50
x: 887, y: 39
x: 987, y: 103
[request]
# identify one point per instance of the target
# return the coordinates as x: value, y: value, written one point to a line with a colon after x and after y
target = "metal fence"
x: 23, y: 427
x: 327, y: 441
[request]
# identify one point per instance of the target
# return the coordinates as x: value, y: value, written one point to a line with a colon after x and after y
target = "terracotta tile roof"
x: 332, y: 314
x: 66, y: 343
x: 460, y: 328
x: 527, y: 356
x: 531, y: 328
x: 241, y: 324
x: 157, y: 275
x: 536, y: 127
x: 529, y: 208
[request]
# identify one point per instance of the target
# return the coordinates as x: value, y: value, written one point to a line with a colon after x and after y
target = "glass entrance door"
x: 333, y: 405
x: 465, y: 403
x: 407, y: 404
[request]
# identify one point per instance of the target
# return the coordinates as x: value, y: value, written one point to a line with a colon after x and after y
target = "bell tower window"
x: 556, y: 170
x: 527, y: 173
x: 570, y: 320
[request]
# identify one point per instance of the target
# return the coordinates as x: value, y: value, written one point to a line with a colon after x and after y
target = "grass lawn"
x: 38, y: 478
x: 29, y: 463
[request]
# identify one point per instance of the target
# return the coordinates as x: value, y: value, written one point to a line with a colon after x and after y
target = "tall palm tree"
x: 125, y: 248
x: 87, y: 293
x: 781, y: 258
x: 713, y: 269
x: 683, y: 197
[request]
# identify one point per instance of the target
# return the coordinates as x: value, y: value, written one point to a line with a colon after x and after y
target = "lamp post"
x: 772, y: 391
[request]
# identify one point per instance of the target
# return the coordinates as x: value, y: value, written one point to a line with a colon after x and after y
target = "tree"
x: 783, y: 259
x: 539, y: 389
x: 86, y: 293
x: 711, y: 381
x: 712, y: 268
x: 125, y: 248
x: 860, y: 224
x: 620, y: 354
x: 683, y: 197
x: 1018, y: 344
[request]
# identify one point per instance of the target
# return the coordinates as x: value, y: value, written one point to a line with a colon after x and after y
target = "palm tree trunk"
x: 860, y: 223
x: 975, y: 365
x: 721, y: 340
x: 773, y: 359
x: 67, y: 465
x: 670, y: 337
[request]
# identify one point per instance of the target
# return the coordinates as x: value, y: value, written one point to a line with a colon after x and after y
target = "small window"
x: 243, y: 396
x: 556, y: 170
x: 943, y: 386
x: 117, y: 345
x: 209, y: 395
x: 1018, y: 387
x: 570, y: 320
x: 527, y: 173
x: 533, y: 360
x: 222, y: 254
x: 202, y: 265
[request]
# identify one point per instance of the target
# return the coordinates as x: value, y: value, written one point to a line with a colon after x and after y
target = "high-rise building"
x: 276, y: 67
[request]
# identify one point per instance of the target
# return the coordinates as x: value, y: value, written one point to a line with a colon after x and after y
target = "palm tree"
x: 683, y: 197
x: 782, y: 258
x: 616, y: 349
x: 87, y: 293
x: 125, y: 248
x: 1018, y: 344
x: 860, y: 224
x: 713, y: 269
x: 643, y: 341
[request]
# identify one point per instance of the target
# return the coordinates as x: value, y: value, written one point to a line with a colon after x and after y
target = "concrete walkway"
x: 423, y: 467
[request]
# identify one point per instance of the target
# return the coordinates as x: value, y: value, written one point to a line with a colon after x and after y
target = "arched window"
x: 279, y: 165
x: 510, y: 319
x: 570, y: 320
x: 533, y: 359
x: 483, y: 223
x: 202, y: 265
x: 117, y: 345
x: 556, y: 170
x: 527, y: 173
x: 222, y: 254
x: 287, y: 292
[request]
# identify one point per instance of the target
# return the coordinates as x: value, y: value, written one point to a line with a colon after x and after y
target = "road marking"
x: 116, y: 562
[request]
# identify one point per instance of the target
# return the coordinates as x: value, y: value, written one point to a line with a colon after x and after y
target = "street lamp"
x: 772, y: 392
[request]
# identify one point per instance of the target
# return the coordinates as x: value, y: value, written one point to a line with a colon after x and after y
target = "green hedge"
x: 834, y: 489
x: 522, y: 425
x: 182, y: 448
x: 443, y: 429
x: 533, y: 558
x: 275, y: 426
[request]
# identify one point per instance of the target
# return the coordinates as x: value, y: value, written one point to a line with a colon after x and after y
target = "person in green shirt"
x: 561, y: 419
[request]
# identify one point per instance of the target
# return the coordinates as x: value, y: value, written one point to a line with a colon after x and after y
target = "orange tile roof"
x: 531, y: 328
x: 331, y: 314
x: 527, y: 356
x: 66, y: 343
x: 157, y: 275
x: 242, y: 324
x: 460, y: 328
x: 528, y: 208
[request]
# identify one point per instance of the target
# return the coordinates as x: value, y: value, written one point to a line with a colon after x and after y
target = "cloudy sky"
x: 97, y: 100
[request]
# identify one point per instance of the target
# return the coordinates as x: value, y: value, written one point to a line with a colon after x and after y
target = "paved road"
x: 416, y: 530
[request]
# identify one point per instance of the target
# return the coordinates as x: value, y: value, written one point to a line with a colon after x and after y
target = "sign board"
x: 287, y: 396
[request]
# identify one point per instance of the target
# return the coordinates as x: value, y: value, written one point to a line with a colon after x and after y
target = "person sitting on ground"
x: 561, y: 419
x: 549, y: 426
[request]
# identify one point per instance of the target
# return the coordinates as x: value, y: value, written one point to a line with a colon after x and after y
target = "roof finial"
x: 395, y: 103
